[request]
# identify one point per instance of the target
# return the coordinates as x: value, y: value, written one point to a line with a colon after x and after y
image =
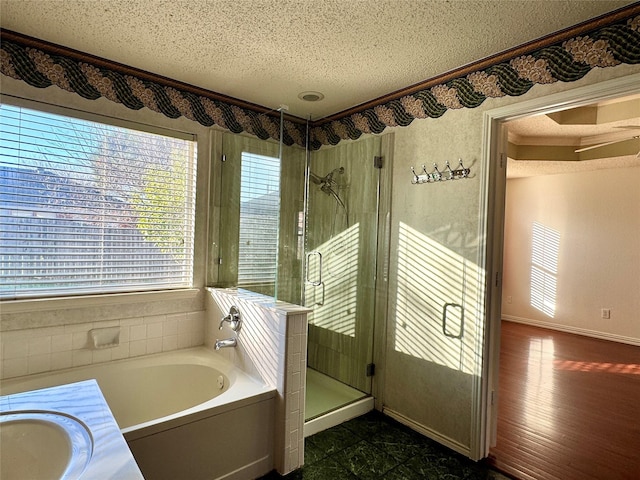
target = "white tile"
x: 154, y: 345
x: 106, y: 324
x: 128, y: 322
x: 296, y: 323
x: 102, y: 355
x: 80, y: 340
x: 46, y: 331
x: 154, y: 330
x: 196, y: 317
x: 39, y: 363
x: 293, y: 459
x: 15, y: 367
x: 15, y: 335
x: 293, y: 439
x: 184, y: 325
x: 177, y: 317
x: 39, y: 345
x: 125, y: 334
x: 294, y: 344
x: 78, y: 327
x: 170, y: 327
x: 197, y: 339
x: 60, y: 360
x: 81, y: 357
x: 137, y: 332
x: 293, y: 385
x: 155, y: 319
x: 137, y: 348
x: 120, y: 352
x: 62, y: 342
x: 169, y: 343
x: 18, y: 348
x: 294, y: 400
x: 184, y: 340
x: 294, y: 362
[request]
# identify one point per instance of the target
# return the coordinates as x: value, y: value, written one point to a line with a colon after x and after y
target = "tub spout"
x: 228, y: 342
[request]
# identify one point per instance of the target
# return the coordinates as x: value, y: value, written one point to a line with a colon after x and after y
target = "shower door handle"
x: 307, y: 280
x: 459, y: 334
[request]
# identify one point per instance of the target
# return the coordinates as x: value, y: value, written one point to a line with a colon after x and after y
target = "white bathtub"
x: 185, y: 414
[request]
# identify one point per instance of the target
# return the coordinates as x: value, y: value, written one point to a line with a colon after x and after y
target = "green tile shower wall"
x: 566, y: 61
x: 339, y: 355
x: 228, y: 211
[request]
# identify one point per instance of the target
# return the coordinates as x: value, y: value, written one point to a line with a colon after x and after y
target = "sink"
x: 43, y: 444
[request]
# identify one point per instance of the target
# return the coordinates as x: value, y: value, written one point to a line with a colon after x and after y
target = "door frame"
x: 493, y: 187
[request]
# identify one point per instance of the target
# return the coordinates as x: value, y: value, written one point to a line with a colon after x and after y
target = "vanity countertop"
x: 111, y: 457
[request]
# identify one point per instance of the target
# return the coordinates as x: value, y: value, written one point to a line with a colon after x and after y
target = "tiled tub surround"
x: 38, y: 350
x: 272, y: 344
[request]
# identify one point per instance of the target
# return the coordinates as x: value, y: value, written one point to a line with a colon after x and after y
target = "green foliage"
x: 160, y: 205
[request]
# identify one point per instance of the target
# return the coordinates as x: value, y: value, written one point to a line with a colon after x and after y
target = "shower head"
x: 329, y: 176
x: 327, y: 179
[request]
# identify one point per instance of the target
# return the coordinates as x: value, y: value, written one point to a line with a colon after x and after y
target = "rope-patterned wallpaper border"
x: 42, y: 68
x: 566, y: 61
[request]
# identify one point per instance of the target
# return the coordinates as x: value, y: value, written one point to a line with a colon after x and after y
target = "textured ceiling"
x: 268, y: 51
x: 612, y: 127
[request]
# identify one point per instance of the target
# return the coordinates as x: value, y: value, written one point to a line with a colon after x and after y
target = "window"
x: 259, y: 219
x: 91, y: 207
x: 545, y: 248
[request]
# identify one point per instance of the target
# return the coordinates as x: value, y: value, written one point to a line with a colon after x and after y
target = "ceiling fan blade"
x: 591, y: 147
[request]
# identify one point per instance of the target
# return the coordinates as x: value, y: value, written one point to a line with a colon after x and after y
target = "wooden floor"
x: 569, y: 407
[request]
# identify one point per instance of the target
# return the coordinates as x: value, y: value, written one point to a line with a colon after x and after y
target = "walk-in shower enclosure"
x: 302, y: 226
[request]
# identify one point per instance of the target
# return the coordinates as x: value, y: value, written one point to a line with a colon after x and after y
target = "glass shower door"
x: 340, y: 267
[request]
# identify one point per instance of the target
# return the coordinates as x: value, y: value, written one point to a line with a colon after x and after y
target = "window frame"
x: 263, y: 284
x: 102, y: 110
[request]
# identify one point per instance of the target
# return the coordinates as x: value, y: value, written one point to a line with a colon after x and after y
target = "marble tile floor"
x: 375, y: 446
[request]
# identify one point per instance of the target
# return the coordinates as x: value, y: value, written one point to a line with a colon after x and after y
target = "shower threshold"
x: 329, y: 402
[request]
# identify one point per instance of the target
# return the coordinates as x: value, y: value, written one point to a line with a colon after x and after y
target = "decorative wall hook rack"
x: 440, y: 176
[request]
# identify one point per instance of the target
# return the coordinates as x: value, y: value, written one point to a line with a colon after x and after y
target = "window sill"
x: 63, y: 303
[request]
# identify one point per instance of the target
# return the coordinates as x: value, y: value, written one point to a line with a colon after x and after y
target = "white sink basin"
x: 42, y: 444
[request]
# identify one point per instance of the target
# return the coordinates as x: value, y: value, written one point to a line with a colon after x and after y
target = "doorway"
x: 497, y: 122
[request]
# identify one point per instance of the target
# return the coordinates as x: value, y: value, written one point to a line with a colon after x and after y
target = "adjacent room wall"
x: 437, y: 240
x: 596, y: 215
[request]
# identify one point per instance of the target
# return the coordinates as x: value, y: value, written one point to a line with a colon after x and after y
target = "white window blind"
x: 259, y: 217
x: 545, y: 249
x: 90, y: 207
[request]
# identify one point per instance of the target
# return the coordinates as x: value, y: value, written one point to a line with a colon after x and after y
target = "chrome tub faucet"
x: 235, y: 322
x: 228, y: 342
x: 233, y: 318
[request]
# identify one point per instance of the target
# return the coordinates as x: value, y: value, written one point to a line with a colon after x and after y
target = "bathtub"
x: 184, y: 414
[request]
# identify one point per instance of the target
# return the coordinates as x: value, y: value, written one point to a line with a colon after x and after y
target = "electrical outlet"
x: 606, y: 313
x: 509, y: 299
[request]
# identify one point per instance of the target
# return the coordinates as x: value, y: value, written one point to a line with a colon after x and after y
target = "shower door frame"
x: 382, y: 241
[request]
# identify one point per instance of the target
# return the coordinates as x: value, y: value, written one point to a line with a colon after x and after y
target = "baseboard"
x: 338, y: 416
x: 571, y: 329
x: 438, y: 437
